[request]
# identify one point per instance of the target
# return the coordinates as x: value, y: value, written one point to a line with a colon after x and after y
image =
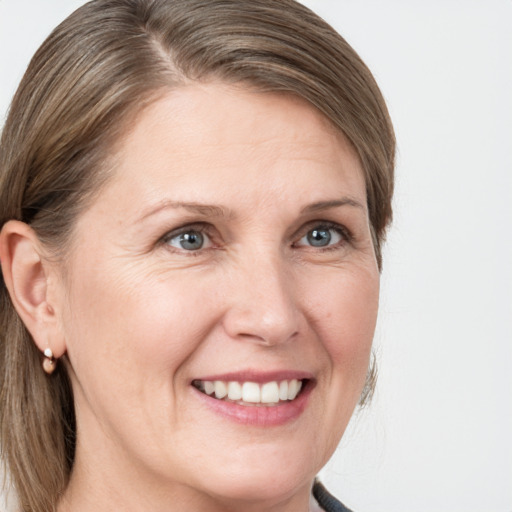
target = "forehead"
x: 207, y: 138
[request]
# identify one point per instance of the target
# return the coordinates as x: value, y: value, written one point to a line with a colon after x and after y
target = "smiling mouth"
x: 252, y: 393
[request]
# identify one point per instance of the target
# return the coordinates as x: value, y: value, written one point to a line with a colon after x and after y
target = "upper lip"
x: 258, y: 376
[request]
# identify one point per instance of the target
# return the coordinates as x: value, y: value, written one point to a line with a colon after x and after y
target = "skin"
x: 140, y: 317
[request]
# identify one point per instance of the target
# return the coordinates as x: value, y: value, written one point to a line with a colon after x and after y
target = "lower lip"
x: 260, y: 416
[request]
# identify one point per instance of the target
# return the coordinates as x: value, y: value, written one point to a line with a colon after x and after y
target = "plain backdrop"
x: 438, y: 435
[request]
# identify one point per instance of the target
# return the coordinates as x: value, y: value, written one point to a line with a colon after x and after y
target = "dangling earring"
x: 49, y: 363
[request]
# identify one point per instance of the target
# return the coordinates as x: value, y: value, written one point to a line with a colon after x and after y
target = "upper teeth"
x: 252, y: 392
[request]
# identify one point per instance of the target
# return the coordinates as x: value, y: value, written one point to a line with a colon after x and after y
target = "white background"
x: 438, y: 436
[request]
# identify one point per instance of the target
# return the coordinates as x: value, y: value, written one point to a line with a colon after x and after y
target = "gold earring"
x: 49, y: 363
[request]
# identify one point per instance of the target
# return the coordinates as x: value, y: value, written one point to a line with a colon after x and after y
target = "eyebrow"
x: 334, y: 203
x: 216, y: 211
x: 206, y: 210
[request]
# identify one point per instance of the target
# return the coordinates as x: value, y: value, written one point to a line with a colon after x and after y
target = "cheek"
x: 345, y: 316
x: 343, y: 313
x: 355, y: 322
x: 136, y: 322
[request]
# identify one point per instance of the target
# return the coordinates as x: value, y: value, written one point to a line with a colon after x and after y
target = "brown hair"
x: 93, y: 74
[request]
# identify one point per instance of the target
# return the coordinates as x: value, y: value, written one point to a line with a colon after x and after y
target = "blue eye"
x: 319, y: 237
x: 322, y: 236
x: 191, y: 240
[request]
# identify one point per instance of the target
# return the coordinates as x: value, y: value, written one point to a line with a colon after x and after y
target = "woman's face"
x: 230, y: 252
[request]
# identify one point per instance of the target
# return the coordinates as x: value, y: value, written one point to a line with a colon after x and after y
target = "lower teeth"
x: 259, y: 404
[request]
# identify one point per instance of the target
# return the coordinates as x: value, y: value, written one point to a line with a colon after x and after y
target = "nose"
x: 261, y: 302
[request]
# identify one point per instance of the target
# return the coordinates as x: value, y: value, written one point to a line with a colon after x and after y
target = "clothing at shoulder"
x: 326, y: 500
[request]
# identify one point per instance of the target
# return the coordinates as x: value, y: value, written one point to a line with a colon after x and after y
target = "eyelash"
x: 322, y: 225
x: 206, y: 230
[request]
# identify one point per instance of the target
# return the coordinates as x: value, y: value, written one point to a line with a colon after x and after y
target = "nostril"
x: 268, y: 338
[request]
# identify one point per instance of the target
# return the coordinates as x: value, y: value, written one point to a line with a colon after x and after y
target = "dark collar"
x: 326, y: 500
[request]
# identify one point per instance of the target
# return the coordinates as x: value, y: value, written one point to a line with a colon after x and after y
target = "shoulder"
x: 326, y: 500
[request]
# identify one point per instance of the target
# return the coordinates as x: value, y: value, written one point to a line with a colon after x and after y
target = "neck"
x: 74, y: 500
x: 96, y: 489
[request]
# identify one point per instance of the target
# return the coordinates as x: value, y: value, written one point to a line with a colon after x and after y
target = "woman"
x: 193, y: 200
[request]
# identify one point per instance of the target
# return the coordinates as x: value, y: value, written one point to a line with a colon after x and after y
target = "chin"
x: 263, y: 476
x: 270, y: 488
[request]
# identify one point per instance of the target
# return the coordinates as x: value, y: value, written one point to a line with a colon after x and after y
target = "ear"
x: 31, y: 282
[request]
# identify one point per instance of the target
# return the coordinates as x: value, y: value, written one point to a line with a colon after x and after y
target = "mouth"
x: 253, y: 394
x: 255, y: 398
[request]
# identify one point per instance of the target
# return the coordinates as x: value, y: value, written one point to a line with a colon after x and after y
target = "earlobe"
x: 26, y: 277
